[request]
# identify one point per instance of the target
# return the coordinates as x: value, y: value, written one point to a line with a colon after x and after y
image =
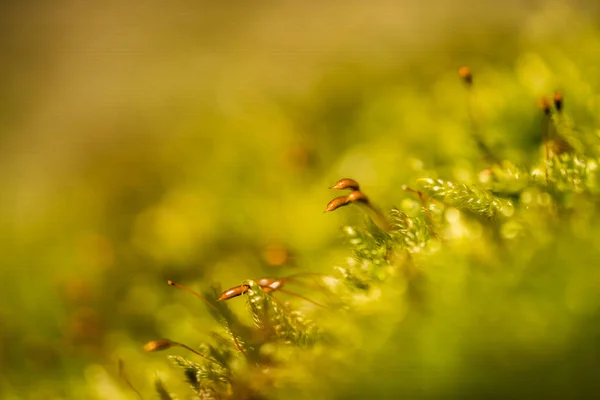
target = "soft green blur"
x: 155, y: 141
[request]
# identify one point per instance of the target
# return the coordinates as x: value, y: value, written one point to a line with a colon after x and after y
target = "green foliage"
x: 207, y: 380
x: 573, y: 173
x: 484, y: 283
x: 493, y: 229
x: 470, y: 199
x: 371, y: 252
x: 278, y: 323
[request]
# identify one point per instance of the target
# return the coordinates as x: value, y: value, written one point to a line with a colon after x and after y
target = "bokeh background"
x: 195, y: 141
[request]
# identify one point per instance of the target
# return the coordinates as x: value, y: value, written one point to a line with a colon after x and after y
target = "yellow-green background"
x: 159, y: 140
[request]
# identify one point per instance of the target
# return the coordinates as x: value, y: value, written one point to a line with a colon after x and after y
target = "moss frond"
x: 471, y: 199
x: 270, y: 316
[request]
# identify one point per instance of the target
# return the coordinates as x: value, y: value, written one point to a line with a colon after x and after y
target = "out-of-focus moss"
x: 149, y: 144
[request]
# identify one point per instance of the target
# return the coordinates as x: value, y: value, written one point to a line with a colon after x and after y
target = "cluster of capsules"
x: 269, y: 285
x: 360, y: 199
x: 355, y: 195
x: 554, y: 141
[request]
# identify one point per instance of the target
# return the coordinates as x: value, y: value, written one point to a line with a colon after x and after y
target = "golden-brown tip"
x: 337, y: 203
x: 157, y: 345
x: 345, y: 183
x: 465, y: 74
x: 558, y: 101
x: 357, y: 196
x: 233, y: 292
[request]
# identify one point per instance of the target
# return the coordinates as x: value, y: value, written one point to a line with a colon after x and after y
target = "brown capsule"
x: 266, y: 284
x: 269, y: 284
x: 465, y: 74
x: 558, y: 101
x: 357, y: 196
x: 545, y: 105
x: 346, y: 183
x: 233, y: 292
x: 158, y: 345
x: 337, y: 203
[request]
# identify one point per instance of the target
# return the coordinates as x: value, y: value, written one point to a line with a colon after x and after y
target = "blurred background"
x: 195, y: 141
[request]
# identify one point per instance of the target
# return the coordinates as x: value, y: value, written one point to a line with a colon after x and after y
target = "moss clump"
x: 485, y: 285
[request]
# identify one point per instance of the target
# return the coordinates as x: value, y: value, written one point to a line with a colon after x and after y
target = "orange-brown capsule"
x: 233, y: 292
x: 357, y: 196
x: 337, y: 203
x: 157, y: 345
x: 266, y: 284
x: 558, y: 101
x: 346, y: 183
x: 270, y: 284
x: 545, y: 105
x: 465, y: 74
